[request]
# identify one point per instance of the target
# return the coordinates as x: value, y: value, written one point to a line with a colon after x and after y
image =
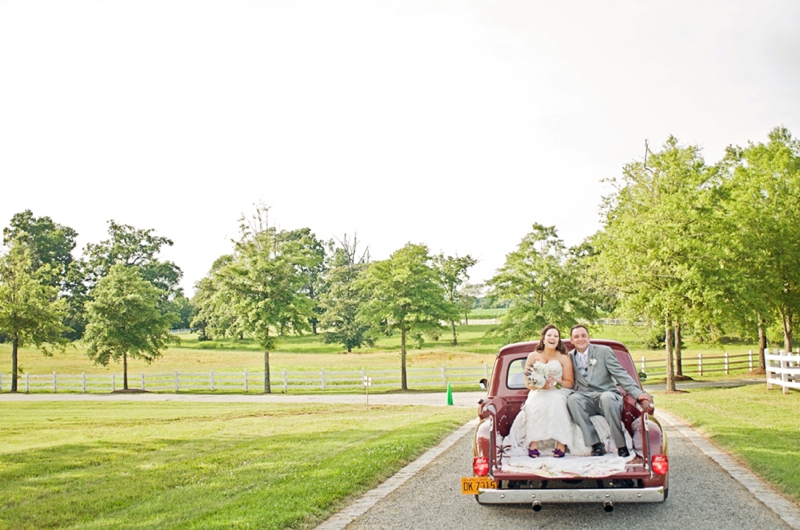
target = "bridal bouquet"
x: 539, y: 373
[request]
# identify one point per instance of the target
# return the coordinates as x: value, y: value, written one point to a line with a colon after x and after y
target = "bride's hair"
x: 560, y: 347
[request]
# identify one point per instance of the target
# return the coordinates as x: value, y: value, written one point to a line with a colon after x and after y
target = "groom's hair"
x: 576, y: 326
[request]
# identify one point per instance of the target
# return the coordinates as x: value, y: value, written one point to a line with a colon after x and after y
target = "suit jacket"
x: 604, y: 374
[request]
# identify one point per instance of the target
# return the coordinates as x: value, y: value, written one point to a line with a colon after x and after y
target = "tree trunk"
x: 670, y: 359
x: 455, y: 339
x: 762, y: 343
x: 678, y: 352
x: 787, y: 330
x: 14, y: 365
x: 403, y: 380
x: 267, y: 387
x: 125, y: 371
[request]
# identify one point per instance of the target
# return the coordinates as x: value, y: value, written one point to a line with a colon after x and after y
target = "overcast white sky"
x: 457, y: 124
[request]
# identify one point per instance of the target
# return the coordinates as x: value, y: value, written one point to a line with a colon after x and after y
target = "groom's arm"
x: 621, y: 375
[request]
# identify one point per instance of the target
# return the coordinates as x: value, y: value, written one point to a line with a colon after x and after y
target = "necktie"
x: 584, y: 364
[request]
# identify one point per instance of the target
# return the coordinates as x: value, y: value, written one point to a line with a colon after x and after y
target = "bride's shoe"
x: 533, y: 453
x: 558, y: 453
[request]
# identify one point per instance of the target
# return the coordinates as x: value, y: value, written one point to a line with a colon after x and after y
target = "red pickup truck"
x: 645, y: 478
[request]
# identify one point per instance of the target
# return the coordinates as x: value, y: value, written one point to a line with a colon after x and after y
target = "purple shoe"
x: 533, y: 453
x: 558, y: 453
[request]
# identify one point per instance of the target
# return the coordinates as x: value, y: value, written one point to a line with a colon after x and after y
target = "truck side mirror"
x: 483, y: 383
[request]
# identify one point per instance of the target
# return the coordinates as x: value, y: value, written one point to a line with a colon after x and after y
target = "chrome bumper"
x: 529, y: 496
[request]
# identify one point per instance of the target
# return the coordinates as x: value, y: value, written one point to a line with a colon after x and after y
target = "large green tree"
x: 655, y: 248
x: 763, y: 236
x: 125, y: 319
x: 51, y: 244
x: 30, y: 310
x: 453, y: 273
x: 405, y: 294
x: 342, y: 297
x: 538, y: 288
x: 264, y: 283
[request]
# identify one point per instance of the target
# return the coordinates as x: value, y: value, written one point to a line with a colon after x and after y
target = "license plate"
x: 471, y: 485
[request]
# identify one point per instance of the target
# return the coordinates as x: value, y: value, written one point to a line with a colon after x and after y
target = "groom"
x: 595, y: 390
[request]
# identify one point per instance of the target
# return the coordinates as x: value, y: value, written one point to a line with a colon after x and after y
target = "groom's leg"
x: 611, y: 407
x: 581, y: 407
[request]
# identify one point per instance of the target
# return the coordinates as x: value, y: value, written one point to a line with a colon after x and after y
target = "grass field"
x: 309, y: 353
x: 116, y: 465
x: 759, y: 427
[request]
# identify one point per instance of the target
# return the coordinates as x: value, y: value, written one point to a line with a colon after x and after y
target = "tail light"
x: 480, y: 465
x: 660, y: 464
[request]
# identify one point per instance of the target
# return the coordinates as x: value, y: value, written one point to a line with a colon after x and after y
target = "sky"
x: 456, y: 124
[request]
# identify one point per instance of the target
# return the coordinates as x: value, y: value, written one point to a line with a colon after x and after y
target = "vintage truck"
x: 645, y: 478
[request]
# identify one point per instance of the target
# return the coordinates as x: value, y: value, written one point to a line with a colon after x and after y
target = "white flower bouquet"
x: 539, y: 374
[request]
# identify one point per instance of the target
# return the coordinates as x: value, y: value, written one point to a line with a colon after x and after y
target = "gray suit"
x: 597, y: 393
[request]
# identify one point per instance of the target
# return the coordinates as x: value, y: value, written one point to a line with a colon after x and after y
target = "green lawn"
x: 201, y: 465
x: 759, y: 427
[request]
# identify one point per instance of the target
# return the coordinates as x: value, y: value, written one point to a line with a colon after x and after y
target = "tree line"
x: 685, y: 247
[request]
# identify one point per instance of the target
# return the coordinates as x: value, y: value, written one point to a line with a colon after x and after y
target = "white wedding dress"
x: 546, y: 413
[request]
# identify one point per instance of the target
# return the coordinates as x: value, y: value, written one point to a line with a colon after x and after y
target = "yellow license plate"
x: 471, y: 485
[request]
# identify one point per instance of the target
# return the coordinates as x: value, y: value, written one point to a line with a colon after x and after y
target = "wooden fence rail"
x: 246, y: 381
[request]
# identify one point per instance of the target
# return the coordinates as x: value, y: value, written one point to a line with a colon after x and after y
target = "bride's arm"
x: 567, y: 372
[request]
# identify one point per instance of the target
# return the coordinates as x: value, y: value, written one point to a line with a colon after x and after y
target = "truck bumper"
x: 560, y: 496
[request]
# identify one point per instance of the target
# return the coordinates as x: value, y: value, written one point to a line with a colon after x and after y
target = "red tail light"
x: 480, y: 465
x: 660, y: 464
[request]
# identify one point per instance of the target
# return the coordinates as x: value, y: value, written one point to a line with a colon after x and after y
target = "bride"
x: 547, y: 369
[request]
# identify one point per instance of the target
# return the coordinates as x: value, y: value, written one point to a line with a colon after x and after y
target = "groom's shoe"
x: 623, y: 452
x: 598, y: 449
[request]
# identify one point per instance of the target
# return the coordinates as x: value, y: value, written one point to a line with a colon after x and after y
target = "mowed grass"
x: 759, y: 427
x: 95, y: 465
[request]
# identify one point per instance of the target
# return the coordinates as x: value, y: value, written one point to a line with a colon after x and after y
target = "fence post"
x: 486, y: 371
x: 27, y: 383
x: 245, y: 380
x: 177, y: 382
x: 285, y: 381
x: 113, y: 381
x: 211, y: 379
x: 750, y: 359
x: 55, y: 381
x: 727, y: 366
x: 142, y: 380
x: 444, y: 376
x: 1, y: 382
x: 700, y: 364
x: 768, y: 365
x: 83, y: 381
x: 322, y: 377
x: 644, y: 365
x: 784, y: 375
x: 363, y: 378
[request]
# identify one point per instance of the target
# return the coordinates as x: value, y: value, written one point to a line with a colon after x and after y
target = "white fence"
x: 700, y: 364
x: 783, y: 369
x: 245, y: 381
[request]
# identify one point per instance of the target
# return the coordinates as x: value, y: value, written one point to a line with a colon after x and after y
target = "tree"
x: 453, y: 274
x: 342, y: 298
x: 133, y: 247
x: 51, y: 245
x: 764, y: 232
x: 538, y: 288
x: 125, y: 319
x: 30, y: 311
x: 405, y: 295
x: 314, y: 273
x: 264, y: 283
x: 214, y: 317
x: 655, y: 250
